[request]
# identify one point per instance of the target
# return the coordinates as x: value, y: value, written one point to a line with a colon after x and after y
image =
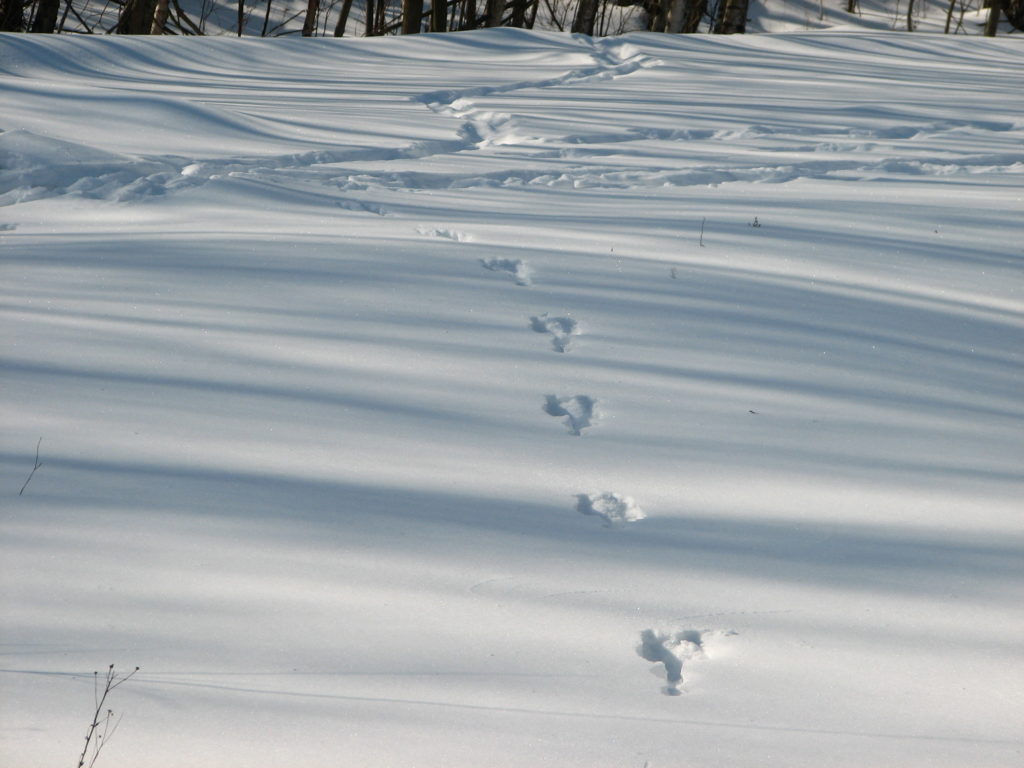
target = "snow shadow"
x: 449, y: 527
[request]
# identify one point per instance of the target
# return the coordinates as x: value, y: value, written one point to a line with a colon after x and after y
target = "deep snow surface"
x: 514, y: 399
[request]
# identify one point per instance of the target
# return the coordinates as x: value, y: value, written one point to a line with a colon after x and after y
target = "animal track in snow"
x: 618, y: 61
x: 560, y: 328
x: 673, y: 650
x: 579, y: 411
x: 446, y: 234
x: 519, y: 269
x: 361, y: 207
x: 613, y: 507
x: 482, y: 128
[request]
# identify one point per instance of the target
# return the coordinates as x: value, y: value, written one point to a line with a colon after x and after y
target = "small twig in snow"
x: 37, y: 465
x: 702, y: 222
x: 103, y: 726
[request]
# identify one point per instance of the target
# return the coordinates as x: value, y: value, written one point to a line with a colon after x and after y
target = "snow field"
x: 344, y: 352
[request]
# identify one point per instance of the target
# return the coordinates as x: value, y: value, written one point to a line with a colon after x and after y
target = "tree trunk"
x: 992, y: 22
x: 266, y: 18
x: 534, y: 6
x: 371, y: 15
x: 12, y: 16
x: 163, y: 10
x: 346, y: 9
x: 47, y: 12
x: 733, y: 19
x: 412, y: 16
x: 716, y: 22
x: 64, y: 17
x: 309, y: 26
x: 438, y: 15
x: 495, y: 12
x: 676, y: 16
x: 910, y: 15
x: 1013, y: 11
x: 586, y: 13
x: 949, y: 14
x: 519, y: 13
x: 658, y: 16
x: 695, y: 10
x: 468, y: 14
x: 136, y: 18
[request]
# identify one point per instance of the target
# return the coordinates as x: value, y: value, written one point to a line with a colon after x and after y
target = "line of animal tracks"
x: 670, y: 649
x: 485, y: 128
x: 667, y: 650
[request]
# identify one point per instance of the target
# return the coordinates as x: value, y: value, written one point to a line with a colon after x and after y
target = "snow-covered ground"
x: 514, y: 399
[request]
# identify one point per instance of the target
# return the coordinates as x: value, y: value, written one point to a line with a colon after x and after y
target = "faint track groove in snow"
x: 520, y: 270
x: 483, y: 128
x: 444, y: 233
x: 621, y: 60
x: 611, y: 177
x: 615, y: 717
x: 563, y: 161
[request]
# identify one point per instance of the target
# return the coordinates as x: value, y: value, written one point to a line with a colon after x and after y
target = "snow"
x: 514, y: 399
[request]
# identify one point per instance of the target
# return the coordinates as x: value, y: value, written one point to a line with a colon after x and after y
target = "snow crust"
x: 342, y: 352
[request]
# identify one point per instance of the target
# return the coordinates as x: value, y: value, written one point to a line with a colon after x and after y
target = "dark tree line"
x: 387, y: 17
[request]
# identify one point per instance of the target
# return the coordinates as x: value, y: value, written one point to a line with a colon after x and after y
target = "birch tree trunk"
x: 163, y: 10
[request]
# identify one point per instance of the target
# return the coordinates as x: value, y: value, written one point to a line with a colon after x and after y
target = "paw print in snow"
x: 613, y: 507
x: 560, y: 328
x: 519, y: 269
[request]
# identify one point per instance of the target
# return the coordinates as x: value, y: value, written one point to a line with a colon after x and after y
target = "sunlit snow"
x: 514, y: 399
